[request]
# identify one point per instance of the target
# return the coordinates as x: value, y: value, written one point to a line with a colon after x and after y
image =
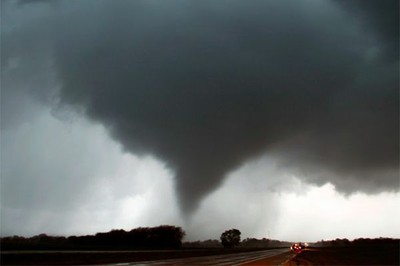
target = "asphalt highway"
x: 265, y: 257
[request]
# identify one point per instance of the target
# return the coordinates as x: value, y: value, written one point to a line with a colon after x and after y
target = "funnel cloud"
x: 207, y: 86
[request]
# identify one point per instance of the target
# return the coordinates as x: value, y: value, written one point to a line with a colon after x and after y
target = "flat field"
x: 368, y: 255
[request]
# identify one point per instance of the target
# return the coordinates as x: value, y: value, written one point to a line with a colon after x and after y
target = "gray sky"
x: 208, y: 115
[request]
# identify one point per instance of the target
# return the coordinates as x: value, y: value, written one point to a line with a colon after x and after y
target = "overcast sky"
x: 279, y: 118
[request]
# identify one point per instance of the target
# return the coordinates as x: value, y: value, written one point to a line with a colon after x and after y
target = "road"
x: 265, y: 257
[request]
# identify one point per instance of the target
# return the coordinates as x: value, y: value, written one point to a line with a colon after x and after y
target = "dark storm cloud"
x: 206, y: 86
x: 381, y: 18
x: 25, y: 2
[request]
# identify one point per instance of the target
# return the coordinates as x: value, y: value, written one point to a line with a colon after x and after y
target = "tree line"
x: 160, y: 237
x: 357, y: 242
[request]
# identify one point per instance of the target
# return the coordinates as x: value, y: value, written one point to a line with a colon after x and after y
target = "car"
x: 297, y: 247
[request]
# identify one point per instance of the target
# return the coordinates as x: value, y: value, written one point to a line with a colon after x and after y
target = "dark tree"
x: 230, y: 238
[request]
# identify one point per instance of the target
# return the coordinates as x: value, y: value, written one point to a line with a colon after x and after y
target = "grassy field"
x: 369, y: 255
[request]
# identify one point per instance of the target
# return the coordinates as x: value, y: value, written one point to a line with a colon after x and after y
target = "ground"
x: 372, y: 255
x: 352, y: 255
